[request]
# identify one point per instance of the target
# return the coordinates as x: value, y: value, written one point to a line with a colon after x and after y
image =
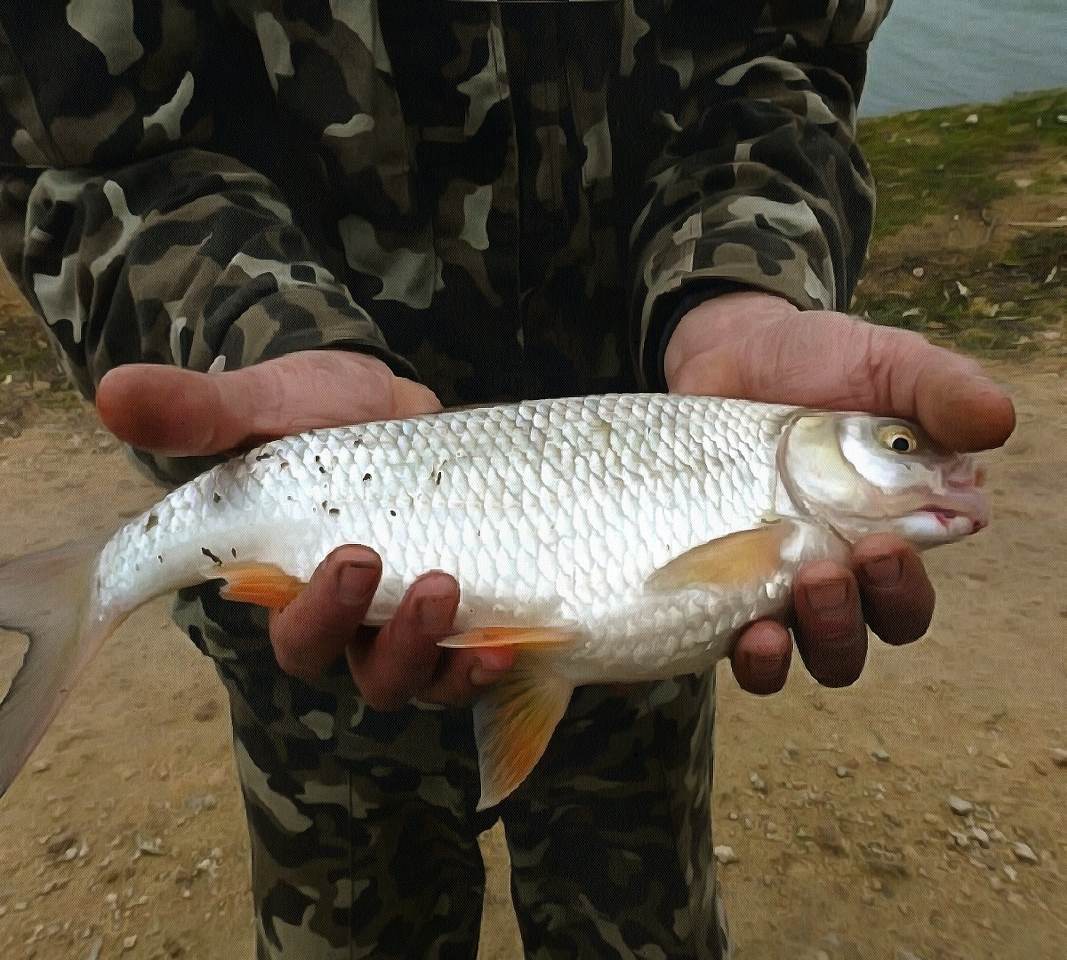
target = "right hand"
x: 178, y: 412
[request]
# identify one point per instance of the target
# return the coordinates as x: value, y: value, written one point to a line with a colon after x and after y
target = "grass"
x: 934, y: 161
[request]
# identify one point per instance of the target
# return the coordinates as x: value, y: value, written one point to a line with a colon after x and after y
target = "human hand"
x: 185, y: 413
x: 756, y: 346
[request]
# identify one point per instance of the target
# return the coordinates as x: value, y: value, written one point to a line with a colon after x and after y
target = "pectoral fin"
x: 263, y: 584
x: 736, y: 560
x: 513, y: 722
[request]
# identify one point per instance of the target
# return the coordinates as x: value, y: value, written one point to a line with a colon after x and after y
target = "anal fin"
x: 513, y: 723
x: 263, y: 584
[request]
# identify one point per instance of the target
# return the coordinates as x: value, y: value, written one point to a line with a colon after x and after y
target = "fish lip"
x: 970, y: 503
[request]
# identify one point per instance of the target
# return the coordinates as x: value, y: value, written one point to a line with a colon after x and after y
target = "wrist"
x: 717, y: 320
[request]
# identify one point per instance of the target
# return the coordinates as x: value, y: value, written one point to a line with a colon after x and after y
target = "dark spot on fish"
x: 392, y: 513
x: 216, y: 498
x: 438, y: 481
x: 322, y: 469
x: 334, y: 512
x: 284, y: 465
x: 290, y: 499
x: 207, y: 553
x: 233, y: 552
x: 323, y: 504
x: 318, y: 459
x: 264, y: 456
x: 159, y: 557
x: 366, y: 477
x: 151, y: 522
x: 357, y: 442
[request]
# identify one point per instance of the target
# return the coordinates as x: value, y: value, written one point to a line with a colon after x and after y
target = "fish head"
x: 865, y: 474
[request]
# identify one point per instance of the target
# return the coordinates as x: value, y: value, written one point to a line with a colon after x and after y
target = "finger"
x: 186, y: 413
x: 314, y: 630
x: 464, y: 674
x: 401, y: 660
x: 831, y: 634
x: 761, y: 657
x: 839, y: 362
x: 897, y: 596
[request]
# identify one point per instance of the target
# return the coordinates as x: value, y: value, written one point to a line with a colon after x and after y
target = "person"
x: 241, y: 220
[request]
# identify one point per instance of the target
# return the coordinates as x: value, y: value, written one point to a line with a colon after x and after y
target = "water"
x: 932, y: 53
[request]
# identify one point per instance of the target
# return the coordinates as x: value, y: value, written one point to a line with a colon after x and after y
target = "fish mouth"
x: 965, y: 505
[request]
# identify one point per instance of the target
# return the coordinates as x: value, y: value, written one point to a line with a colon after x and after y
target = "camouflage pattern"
x: 504, y: 200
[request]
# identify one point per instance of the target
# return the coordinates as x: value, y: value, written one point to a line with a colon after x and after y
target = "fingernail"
x: 828, y: 597
x: 432, y: 614
x: 355, y: 581
x: 883, y: 572
x: 482, y: 674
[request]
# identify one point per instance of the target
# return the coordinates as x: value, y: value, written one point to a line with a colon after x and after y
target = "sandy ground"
x: 124, y: 835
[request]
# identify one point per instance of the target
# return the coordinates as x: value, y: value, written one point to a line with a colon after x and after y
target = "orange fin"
x: 511, y: 637
x: 513, y: 722
x: 736, y: 560
x: 263, y: 584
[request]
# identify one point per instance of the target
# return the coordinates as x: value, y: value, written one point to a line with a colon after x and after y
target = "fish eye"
x: 899, y: 439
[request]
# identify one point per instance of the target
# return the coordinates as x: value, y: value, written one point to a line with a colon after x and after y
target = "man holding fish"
x: 245, y: 220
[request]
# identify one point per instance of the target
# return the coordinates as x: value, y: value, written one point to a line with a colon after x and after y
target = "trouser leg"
x: 610, y: 837
x: 363, y: 841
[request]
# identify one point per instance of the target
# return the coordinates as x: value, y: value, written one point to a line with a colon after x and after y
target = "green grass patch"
x: 933, y: 161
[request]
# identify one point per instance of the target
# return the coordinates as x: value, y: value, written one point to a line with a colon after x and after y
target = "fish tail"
x: 48, y: 598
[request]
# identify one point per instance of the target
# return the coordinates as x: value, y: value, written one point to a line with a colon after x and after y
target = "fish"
x: 607, y: 539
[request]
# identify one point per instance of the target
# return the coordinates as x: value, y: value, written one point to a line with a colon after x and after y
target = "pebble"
x: 1059, y: 756
x: 903, y: 954
x: 758, y: 783
x: 879, y: 754
x: 972, y: 118
x: 1002, y: 760
x: 1011, y: 873
x: 1024, y: 852
x: 725, y: 854
x: 931, y: 818
x: 959, y: 806
x: 842, y: 772
x: 918, y: 273
x: 129, y: 943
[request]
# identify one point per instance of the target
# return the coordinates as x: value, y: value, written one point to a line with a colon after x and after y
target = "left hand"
x: 756, y: 346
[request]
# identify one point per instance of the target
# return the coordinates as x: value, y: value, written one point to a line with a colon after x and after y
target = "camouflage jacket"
x: 503, y: 199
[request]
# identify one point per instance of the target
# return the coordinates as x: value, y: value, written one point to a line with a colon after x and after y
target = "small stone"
x: 959, y: 806
x: 842, y: 772
x: 972, y: 118
x: 918, y: 273
x: 733, y: 815
x: 129, y: 943
x: 112, y: 900
x: 1024, y: 852
x: 903, y: 954
x: 20, y: 905
x: 880, y: 755
x: 930, y: 818
x: 41, y: 765
x: 1061, y: 117
x: 997, y: 835
x: 1059, y: 756
x: 151, y: 847
x: 758, y: 783
x: 1002, y: 760
x: 1011, y: 873
x: 725, y: 854
x: 980, y: 835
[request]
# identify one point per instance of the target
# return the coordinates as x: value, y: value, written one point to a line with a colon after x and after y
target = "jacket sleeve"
x: 754, y: 179
x: 126, y: 219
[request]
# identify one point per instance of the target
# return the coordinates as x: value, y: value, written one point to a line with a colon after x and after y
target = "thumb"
x: 186, y: 413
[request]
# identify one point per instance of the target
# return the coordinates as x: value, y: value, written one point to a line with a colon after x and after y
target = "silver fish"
x: 609, y: 538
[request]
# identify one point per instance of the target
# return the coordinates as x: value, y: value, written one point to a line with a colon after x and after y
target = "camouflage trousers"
x: 364, y: 832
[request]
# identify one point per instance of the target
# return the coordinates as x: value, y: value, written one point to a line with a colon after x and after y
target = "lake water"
x: 932, y: 53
